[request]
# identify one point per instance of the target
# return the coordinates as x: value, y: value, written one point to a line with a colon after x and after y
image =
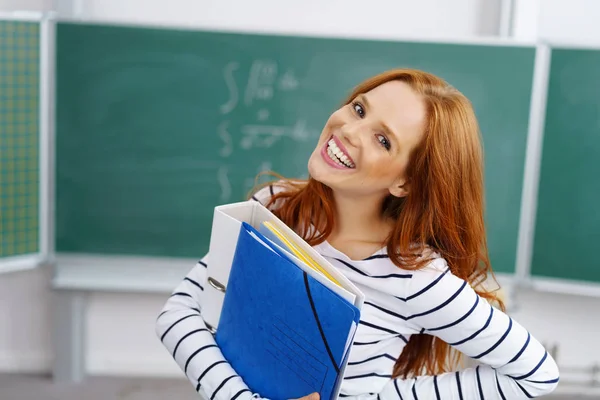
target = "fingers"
x: 312, y: 396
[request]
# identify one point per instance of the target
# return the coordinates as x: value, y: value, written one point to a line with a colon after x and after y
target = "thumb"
x: 312, y: 396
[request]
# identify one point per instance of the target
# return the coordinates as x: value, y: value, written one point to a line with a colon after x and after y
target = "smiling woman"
x: 376, y: 131
x: 395, y: 202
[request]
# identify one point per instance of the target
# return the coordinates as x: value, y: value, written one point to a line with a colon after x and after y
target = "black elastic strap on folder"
x: 314, y: 310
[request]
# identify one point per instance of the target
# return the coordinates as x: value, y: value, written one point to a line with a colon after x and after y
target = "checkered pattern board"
x: 19, y: 137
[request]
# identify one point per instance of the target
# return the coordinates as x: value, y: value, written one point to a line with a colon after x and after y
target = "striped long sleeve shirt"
x: 398, y: 303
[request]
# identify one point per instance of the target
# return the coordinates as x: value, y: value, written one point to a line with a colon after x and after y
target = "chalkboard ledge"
x: 89, y: 272
x: 564, y: 286
x: 92, y: 272
x: 21, y: 263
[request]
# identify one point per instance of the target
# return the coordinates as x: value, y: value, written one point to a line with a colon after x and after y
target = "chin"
x: 321, y: 175
x: 315, y: 171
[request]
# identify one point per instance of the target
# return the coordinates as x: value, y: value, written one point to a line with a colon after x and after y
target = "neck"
x: 359, y: 218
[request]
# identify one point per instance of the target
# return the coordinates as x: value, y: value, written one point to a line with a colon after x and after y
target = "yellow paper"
x: 298, y: 252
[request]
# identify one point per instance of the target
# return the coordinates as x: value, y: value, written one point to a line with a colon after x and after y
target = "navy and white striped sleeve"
x: 514, y: 365
x: 183, y: 332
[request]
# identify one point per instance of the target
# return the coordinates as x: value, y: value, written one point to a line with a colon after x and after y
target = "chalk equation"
x: 265, y: 78
x: 228, y: 107
x: 224, y: 183
x: 265, y: 136
x: 254, y: 88
x: 255, y: 136
x: 262, y: 82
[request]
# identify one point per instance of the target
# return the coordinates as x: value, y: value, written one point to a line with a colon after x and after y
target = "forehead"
x: 398, y: 105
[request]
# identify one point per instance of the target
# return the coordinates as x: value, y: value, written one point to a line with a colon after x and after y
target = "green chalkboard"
x: 19, y: 137
x: 155, y: 127
x: 567, y: 230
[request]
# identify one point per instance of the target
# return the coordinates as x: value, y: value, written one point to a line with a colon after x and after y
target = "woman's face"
x: 365, y: 146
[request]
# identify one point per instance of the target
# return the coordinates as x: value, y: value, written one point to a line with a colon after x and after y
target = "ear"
x: 399, y: 188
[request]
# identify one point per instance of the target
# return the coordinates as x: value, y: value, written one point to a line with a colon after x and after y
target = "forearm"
x: 183, y: 332
x: 514, y: 364
x: 482, y: 382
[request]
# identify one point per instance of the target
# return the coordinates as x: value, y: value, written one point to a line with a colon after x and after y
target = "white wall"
x: 26, y: 5
x: 376, y: 18
x: 573, y: 21
x: 121, y: 326
x: 25, y: 321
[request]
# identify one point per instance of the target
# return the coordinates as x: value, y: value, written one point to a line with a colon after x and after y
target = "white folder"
x: 227, y: 221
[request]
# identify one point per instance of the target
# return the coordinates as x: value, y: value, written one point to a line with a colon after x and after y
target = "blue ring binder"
x: 314, y: 310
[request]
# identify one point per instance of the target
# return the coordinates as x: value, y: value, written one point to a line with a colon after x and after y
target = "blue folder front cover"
x: 281, y: 330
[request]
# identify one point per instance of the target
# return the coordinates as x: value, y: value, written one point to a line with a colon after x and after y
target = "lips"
x: 338, y: 154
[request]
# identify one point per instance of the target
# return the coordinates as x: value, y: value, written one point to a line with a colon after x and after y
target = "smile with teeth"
x: 338, y: 156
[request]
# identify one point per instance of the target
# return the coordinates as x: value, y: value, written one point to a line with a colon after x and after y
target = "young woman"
x: 395, y: 201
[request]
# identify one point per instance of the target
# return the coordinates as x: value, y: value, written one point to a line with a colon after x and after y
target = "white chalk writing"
x: 233, y: 91
x: 223, y: 179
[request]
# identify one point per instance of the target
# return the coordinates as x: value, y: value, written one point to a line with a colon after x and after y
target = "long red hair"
x: 444, y: 208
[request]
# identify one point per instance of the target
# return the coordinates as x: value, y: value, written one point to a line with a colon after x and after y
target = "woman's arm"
x: 515, y: 364
x: 183, y: 332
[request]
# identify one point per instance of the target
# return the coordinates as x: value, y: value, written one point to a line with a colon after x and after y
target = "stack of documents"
x: 285, y: 318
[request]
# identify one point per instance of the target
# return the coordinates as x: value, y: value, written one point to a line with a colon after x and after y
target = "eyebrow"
x: 363, y: 99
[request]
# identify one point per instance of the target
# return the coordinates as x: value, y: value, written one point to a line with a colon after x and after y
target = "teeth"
x: 334, y: 158
x: 337, y: 155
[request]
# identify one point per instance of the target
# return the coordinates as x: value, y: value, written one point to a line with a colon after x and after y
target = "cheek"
x: 388, y: 168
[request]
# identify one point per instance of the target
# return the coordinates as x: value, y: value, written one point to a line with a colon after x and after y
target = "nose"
x: 350, y: 133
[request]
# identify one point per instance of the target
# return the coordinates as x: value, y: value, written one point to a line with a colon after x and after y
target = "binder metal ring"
x: 221, y: 288
x: 211, y: 329
x: 216, y: 284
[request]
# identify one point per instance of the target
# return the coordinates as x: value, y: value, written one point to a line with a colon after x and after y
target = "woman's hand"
x: 312, y: 396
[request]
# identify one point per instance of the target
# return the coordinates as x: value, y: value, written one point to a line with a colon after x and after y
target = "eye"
x: 384, y: 142
x: 358, y: 109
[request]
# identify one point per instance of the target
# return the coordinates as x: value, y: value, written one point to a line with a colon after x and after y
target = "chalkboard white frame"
x: 46, y: 175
